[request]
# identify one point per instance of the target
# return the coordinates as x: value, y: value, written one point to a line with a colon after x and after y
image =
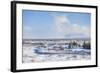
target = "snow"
x: 30, y: 55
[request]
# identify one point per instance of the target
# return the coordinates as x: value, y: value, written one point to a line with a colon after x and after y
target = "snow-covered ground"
x: 30, y: 55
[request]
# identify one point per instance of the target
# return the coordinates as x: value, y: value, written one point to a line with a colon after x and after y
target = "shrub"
x: 86, y: 45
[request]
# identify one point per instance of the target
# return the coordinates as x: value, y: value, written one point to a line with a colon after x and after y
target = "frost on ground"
x: 37, y: 53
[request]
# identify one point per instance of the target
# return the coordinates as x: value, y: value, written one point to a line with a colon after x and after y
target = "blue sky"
x: 46, y: 24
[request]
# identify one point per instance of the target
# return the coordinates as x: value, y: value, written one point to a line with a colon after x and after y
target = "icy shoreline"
x: 30, y: 56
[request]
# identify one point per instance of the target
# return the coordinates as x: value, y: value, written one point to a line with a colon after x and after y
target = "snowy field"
x: 39, y: 54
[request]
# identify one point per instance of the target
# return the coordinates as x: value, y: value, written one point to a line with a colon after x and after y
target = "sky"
x: 59, y: 25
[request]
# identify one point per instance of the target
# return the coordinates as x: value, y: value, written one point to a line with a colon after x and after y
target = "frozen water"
x: 30, y: 55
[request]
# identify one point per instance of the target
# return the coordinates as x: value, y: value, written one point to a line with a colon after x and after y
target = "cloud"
x: 63, y: 27
x: 60, y: 22
x: 27, y: 31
